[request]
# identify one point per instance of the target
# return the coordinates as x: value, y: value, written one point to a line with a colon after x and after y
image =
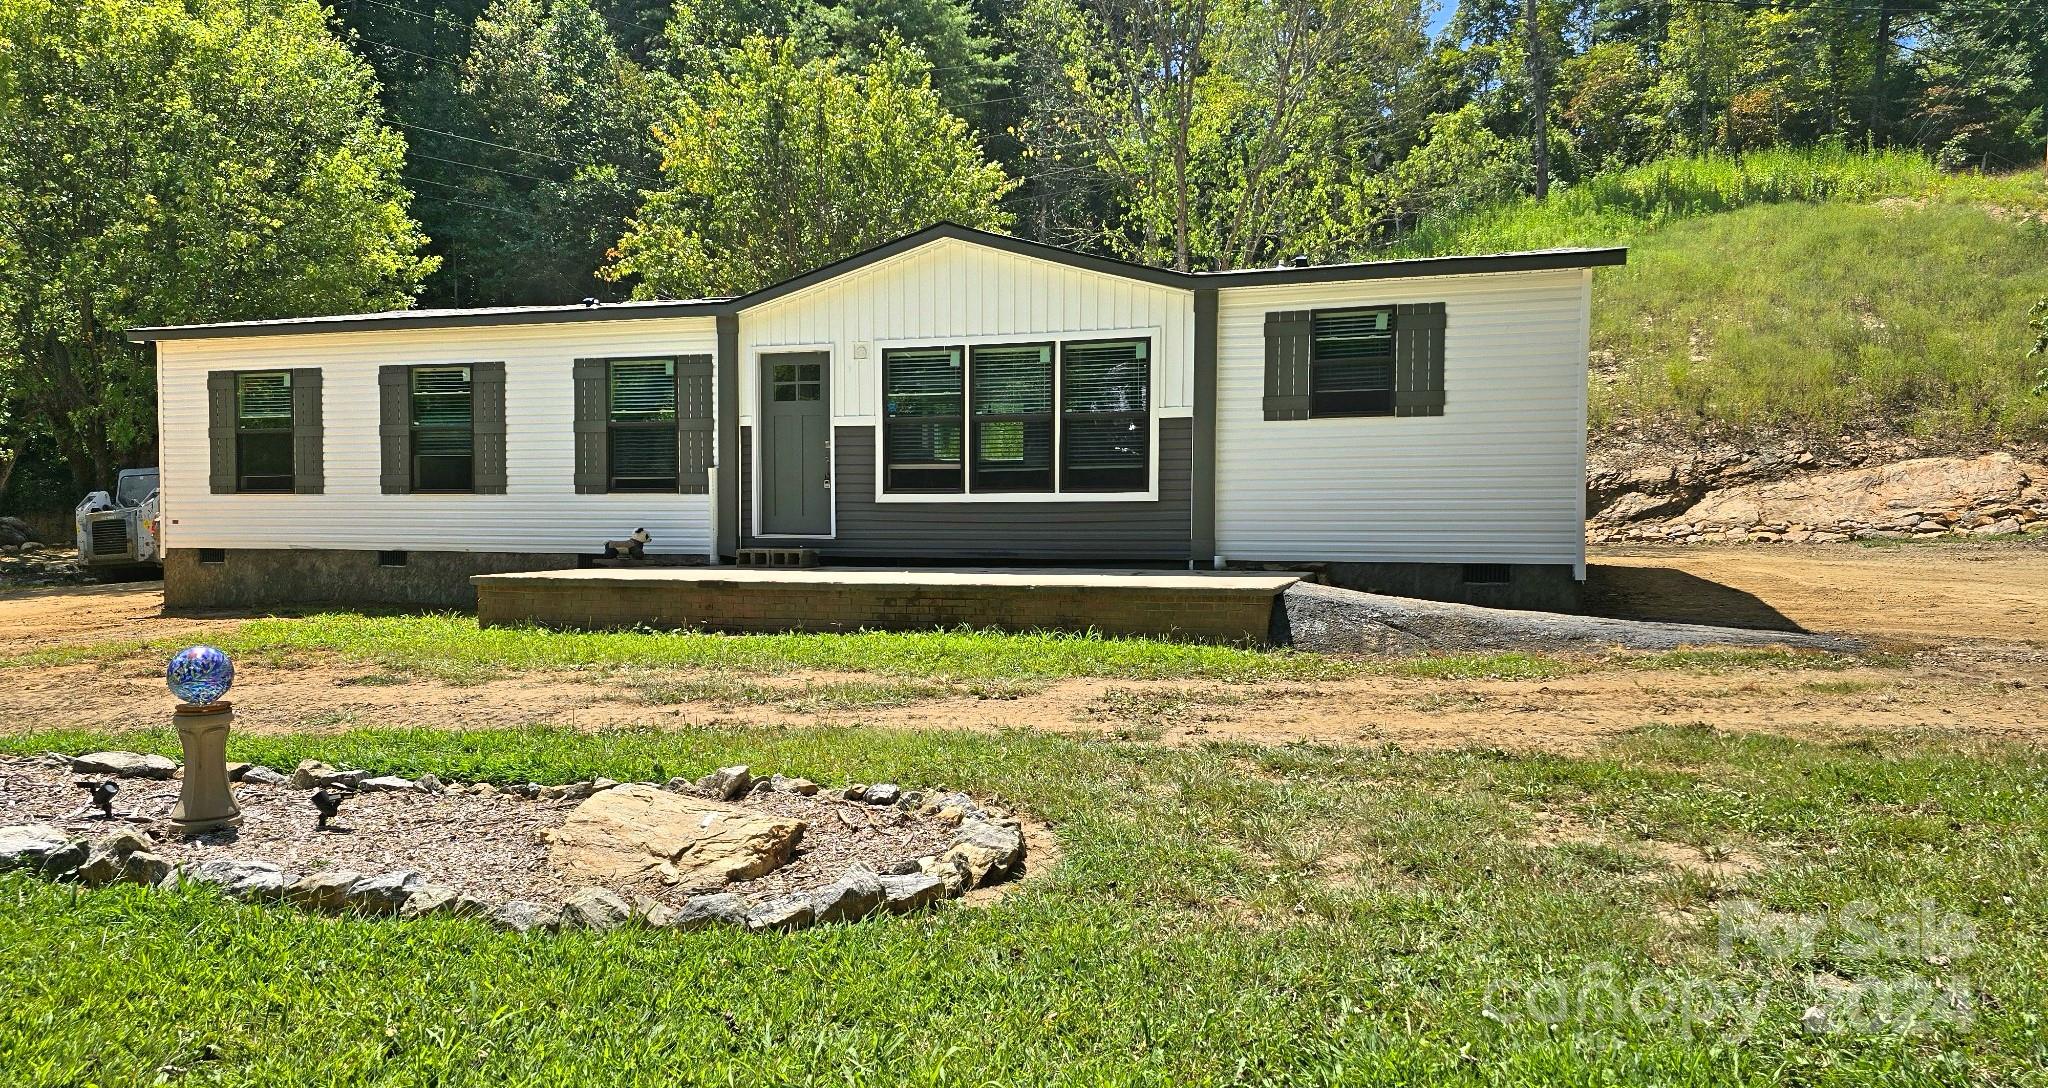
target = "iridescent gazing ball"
x: 199, y: 675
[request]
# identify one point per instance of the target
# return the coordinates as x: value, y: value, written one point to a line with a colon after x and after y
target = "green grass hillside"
x: 1802, y: 294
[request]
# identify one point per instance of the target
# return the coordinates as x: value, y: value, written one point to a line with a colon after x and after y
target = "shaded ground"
x: 1973, y: 614
x: 1922, y: 593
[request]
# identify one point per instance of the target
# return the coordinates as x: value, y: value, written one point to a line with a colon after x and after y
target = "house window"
x: 263, y: 431
x: 1105, y: 419
x: 442, y: 453
x: 1013, y: 422
x: 923, y: 392
x: 1351, y: 368
x: 641, y: 425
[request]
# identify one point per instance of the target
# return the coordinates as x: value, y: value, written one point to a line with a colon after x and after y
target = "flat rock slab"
x: 635, y: 830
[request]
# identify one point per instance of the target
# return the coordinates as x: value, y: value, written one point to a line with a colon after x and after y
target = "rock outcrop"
x: 1988, y: 495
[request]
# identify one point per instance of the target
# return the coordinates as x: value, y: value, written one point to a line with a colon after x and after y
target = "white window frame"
x: 1059, y: 341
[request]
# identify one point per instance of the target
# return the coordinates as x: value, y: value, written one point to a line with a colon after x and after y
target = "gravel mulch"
x: 489, y: 846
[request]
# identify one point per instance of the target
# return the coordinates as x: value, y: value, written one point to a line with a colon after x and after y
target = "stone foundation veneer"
x: 261, y: 577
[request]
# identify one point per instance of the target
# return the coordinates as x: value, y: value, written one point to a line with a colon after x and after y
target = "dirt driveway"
x: 1974, y: 614
x: 1926, y: 593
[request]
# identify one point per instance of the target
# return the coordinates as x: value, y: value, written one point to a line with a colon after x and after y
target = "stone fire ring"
x: 691, y: 842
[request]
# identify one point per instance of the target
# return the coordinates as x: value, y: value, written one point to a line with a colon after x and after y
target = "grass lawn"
x: 1229, y: 914
x: 909, y: 664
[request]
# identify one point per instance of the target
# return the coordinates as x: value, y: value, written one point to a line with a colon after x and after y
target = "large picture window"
x: 1013, y: 423
x: 443, y: 450
x: 1105, y: 418
x: 922, y: 441
x: 640, y: 424
x: 1017, y: 419
x: 1351, y: 367
x: 263, y: 431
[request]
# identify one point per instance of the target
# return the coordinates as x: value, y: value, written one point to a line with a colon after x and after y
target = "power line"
x: 444, y: 20
x: 651, y: 183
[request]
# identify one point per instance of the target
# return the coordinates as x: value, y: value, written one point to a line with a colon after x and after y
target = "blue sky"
x: 1442, y: 16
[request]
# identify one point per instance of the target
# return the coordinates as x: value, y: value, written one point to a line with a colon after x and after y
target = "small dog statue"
x: 633, y: 547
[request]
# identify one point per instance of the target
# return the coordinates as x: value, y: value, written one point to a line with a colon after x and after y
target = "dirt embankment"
x: 1973, y: 616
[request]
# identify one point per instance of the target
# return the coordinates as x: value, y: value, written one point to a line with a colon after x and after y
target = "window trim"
x: 673, y: 425
x: 413, y: 429
x: 1152, y: 335
x: 1393, y: 330
x: 289, y: 431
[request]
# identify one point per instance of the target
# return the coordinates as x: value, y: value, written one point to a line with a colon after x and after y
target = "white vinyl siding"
x: 540, y: 511
x: 1498, y: 478
x: 956, y: 293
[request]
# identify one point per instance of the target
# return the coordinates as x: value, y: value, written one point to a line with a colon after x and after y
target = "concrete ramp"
x: 1328, y: 619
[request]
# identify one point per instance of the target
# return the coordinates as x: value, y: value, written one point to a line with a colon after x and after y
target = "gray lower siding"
x: 1157, y: 531
x: 268, y: 577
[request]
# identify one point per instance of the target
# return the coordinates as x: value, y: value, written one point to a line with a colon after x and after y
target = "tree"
x: 966, y: 68
x: 779, y: 164
x: 1225, y: 134
x: 530, y: 154
x: 174, y: 161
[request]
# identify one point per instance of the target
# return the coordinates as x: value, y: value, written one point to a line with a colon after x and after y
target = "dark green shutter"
x: 1419, y: 359
x: 591, y: 402
x: 309, y: 476
x: 220, y: 430
x: 487, y: 427
x: 694, y: 433
x: 394, y: 428
x: 1288, y: 339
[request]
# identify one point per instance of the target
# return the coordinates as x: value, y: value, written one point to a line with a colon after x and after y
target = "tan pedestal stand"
x: 204, y: 801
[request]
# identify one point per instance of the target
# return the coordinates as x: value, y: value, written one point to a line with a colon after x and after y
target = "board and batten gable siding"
x: 1499, y: 477
x: 540, y: 510
x: 951, y: 290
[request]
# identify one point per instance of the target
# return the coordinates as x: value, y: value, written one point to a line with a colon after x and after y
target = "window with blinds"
x: 443, y: 450
x: 1013, y: 421
x: 1105, y: 417
x: 923, y: 392
x: 263, y: 431
x: 1351, y: 364
x: 1017, y: 418
x: 641, y: 438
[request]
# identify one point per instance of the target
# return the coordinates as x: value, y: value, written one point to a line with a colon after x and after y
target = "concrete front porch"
x: 1222, y: 605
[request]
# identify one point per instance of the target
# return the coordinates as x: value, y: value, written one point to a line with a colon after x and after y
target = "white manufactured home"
x: 950, y: 398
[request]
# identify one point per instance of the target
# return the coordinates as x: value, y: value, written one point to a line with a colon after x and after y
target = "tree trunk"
x: 1539, y: 99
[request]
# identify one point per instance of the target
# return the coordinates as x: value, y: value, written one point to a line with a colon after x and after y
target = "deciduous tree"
x: 176, y: 161
x: 779, y: 164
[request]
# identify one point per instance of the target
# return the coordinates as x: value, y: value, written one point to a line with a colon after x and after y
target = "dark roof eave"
x: 1546, y: 260
x: 402, y: 319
